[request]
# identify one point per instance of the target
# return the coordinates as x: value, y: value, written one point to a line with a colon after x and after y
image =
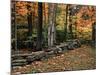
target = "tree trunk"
x: 66, y: 34
x: 16, y: 46
x: 29, y: 19
x: 93, y: 32
x: 44, y: 24
x: 30, y: 24
x: 39, y: 27
x: 71, y: 32
x: 55, y: 10
x: 51, y: 26
x: 13, y: 26
x: 44, y: 15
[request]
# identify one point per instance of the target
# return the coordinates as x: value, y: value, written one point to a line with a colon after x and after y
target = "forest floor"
x: 83, y: 58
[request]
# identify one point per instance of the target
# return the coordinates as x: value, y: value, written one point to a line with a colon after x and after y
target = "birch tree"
x: 51, y: 26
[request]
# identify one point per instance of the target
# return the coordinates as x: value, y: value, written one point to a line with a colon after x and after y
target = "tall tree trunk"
x: 33, y: 17
x: 44, y: 15
x: 66, y: 33
x: 39, y: 27
x: 44, y: 24
x: 55, y: 10
x: 13, y: 26
x: 30, y: 24
x: 29, y: 19
x: 51, y: 26
x: 16, y: 46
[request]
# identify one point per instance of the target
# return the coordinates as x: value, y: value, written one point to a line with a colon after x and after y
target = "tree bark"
x: 39, y: 27
x: 66, y: 33
x: 51, y: 26
x: 29, y: 19
x: 13, y: 26
x: 93, y: 32
x: 71, y: 32
x: 30, y: 24
x: 55, y: 10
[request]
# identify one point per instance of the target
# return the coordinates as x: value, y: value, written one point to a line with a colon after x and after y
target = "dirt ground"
x: 83, y: 58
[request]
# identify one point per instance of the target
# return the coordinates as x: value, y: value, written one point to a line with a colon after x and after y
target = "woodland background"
x: 40, y: 26
x: 60, y: 21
